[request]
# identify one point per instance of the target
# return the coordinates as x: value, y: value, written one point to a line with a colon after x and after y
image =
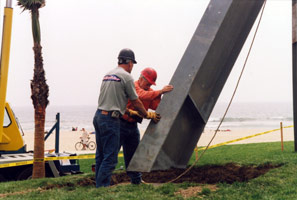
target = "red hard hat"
x: 150, y: 75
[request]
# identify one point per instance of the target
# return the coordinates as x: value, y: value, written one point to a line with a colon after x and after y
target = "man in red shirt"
x: 129, y: 132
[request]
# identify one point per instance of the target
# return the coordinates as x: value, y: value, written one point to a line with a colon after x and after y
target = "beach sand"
x: 69, y: 138
x: 224, y: 136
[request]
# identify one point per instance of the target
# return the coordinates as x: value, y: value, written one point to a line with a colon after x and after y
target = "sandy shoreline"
x: 224, y: 136
x: 69, y: 138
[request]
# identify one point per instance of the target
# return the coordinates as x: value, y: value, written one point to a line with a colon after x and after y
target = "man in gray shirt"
x: 117, y: 87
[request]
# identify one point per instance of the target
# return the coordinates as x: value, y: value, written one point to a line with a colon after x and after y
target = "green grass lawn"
x: 278, y: 183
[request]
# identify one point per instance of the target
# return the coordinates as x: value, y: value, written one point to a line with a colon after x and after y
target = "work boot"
x: 137, y: 182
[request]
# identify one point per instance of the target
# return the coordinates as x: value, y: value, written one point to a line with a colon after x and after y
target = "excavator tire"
x: 25, y: 174
x: 2, y: 178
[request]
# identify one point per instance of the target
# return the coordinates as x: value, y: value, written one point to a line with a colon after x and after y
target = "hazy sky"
x: 81, y: 41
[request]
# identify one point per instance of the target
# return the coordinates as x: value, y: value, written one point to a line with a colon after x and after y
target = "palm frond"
x: 31, y: 4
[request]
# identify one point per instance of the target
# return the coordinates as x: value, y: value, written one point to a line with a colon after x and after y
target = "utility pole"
x: 294, y: 57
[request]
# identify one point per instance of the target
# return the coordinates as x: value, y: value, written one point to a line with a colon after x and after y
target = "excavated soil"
x: 210, y: 174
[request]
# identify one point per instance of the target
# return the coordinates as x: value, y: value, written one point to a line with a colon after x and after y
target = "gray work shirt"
x: 117, y: 87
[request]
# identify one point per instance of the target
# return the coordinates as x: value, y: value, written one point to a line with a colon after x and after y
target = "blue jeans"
x: 129, y: 139
x: 107, y: 139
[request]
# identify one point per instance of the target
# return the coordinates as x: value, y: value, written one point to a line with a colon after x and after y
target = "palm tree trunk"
x: 39, y: 91
x: 38, y: 165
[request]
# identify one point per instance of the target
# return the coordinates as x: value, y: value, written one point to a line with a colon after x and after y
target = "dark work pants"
x: 108, y: 141
x: 129, y: 139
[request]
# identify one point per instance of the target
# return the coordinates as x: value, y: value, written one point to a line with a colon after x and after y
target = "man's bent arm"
x: 147, y: 95
x: 139, y: 107
x: 154, y: 103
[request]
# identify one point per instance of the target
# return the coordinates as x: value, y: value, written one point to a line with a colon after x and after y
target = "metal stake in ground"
x: 282, y: 139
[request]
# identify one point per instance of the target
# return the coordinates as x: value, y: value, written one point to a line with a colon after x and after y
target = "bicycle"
x: 90, y: 145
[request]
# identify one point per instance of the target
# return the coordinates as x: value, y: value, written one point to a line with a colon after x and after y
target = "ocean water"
x: 252, y: 115
x: 240, y: 115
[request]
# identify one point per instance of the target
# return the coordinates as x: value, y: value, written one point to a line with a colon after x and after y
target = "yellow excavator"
x: 15, y: 162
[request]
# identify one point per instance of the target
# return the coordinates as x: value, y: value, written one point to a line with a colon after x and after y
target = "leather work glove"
x: 133, y: 113
x: 154, y: 116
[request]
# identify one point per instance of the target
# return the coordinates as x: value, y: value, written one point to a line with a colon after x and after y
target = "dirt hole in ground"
x: 210, y: 174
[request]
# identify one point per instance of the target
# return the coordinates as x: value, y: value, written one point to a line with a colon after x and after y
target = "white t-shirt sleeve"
x: 130, y: 90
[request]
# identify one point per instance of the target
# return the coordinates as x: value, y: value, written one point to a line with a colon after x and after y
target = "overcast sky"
x: 81, y: 41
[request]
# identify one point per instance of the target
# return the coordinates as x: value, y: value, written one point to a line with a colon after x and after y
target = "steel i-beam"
x: 198, y: 82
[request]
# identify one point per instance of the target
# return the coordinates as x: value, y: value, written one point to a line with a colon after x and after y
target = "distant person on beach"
x: 150, y: 98
x: 85, y: 138
x: 116, y: 88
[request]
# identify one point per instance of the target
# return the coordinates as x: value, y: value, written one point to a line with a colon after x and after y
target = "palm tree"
x: 39, y: 88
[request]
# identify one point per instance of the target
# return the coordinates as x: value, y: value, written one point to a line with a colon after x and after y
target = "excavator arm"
x: 10, y: 136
